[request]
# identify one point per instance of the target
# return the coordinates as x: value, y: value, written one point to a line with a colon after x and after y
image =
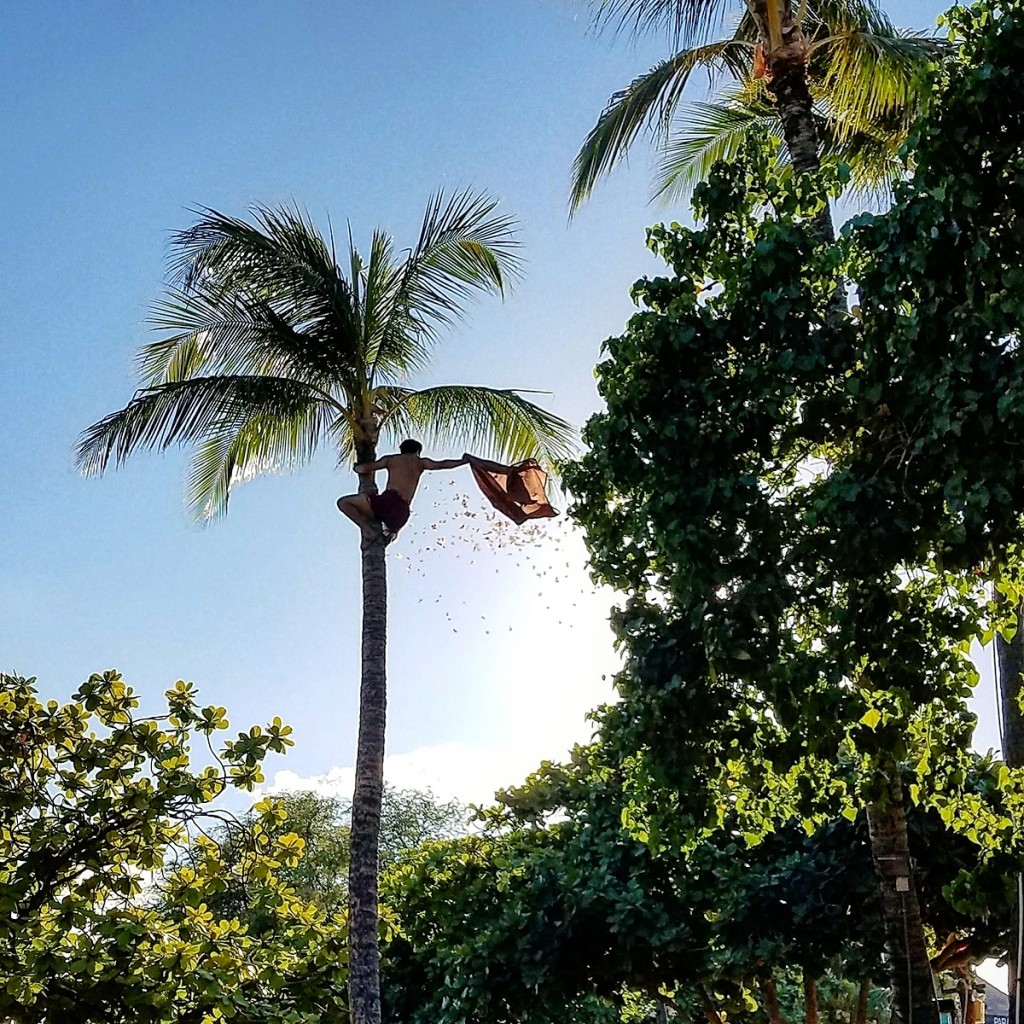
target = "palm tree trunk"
x: 910, y: 973
x: 364, y: 957
x: 786, y: 51
x: 1010, y: 662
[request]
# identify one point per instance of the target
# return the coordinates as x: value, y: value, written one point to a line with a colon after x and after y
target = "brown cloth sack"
x: 517, y: 491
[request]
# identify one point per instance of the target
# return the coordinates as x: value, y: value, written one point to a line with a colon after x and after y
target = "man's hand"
x: 485, y: 464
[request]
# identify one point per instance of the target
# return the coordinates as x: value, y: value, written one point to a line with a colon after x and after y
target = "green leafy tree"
x: 277, y: 350
x: 804, y: 509
x: 832, y: 79
x: 409, y: 818
x: 94, y: 799
x: 557, y: 912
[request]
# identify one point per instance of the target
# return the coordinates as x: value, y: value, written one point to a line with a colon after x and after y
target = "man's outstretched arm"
x: 444, y: 463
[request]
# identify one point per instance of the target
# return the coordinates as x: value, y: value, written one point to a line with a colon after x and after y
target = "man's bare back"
x: 404, y: 471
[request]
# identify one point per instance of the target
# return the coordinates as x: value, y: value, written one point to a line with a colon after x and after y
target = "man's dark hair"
x: 410, y: 447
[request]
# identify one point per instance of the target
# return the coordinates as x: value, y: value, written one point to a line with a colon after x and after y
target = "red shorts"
x: 391, y: 509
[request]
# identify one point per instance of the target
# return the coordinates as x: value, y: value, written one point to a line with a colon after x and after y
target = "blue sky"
x: 117, y: 118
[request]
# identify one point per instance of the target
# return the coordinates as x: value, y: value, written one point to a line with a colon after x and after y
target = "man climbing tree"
x: 390, y: 508
x: 518, y: 491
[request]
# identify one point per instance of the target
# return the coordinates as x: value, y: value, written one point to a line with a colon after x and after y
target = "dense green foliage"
x: 93, y: 800
x: 805, y: 512
x: 813, y: 516
x: 556, y: 913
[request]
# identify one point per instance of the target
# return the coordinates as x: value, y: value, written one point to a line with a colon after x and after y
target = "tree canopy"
x: 556, y: 912
x: 810, y: 510
x: 96, y: 800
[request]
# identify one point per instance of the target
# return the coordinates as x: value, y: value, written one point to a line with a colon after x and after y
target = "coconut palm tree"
x: 275, y: 350
x: 832, y: 80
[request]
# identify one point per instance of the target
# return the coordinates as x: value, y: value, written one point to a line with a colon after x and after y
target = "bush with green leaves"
x: 810, y: 509
x: 806, y: 514
x: 94, y: 801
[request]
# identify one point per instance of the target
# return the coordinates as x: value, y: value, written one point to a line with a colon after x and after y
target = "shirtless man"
x: 390, y: 508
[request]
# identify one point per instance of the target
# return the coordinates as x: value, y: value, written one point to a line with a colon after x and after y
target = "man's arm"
x: 444, y: 463
x: 372, y: 467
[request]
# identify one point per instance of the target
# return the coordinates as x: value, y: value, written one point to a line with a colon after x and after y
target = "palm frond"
x: 849, y: 15
x: 688, y: 21
x: 464, y: 248
x: 226, y: 332
x: 708, y: 132
x: 385, y: 321
x: 499, y: 424
x: 261, y: 444
x: 280, y: 259
x: 212, y: 333
x: 188, y: 411
x: 868, y: 76
x: 648, y: 103
x: 873, y: 158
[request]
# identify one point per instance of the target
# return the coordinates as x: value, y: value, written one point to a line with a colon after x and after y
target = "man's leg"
x: 357, y: 507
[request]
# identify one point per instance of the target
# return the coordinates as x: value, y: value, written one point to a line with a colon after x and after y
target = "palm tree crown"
x: 275, y: 349
x: 864, y: 74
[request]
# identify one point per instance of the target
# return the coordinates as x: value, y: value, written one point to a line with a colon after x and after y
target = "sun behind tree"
x: 276, y: 350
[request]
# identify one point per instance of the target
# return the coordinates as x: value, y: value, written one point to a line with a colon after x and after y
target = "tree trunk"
x: 713, y: 1016
x: 862, y: 1002
x: 1010, y: 662
x: 364, y: 957
x: 796, y: 112
x: 1013, y: 960
x: 810, y: 1000
x: 910, y: 972
x: 771, y: 1000
x: 1010, y: 659
x: 786, y: 53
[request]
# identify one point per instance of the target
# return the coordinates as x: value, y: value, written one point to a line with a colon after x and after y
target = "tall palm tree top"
x: 276, y: 346
x: 865, y: 76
